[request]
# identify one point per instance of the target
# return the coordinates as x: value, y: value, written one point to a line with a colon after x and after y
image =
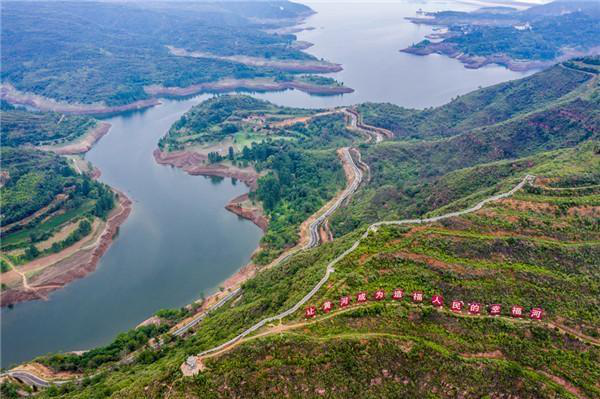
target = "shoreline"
x: 74, y: 266
x: 191, y: 163
x: 258, y: 85
x: 298, y: 66
x: 254, y: 214
x: 476, y: 62
x: 13, y: 96
x: 82, y: 144
x: 250, y: 270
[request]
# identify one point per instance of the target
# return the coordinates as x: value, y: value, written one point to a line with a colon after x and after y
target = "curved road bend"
x: 314, y: 239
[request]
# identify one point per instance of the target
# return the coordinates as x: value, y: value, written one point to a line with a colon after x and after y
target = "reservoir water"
x: 179, y: 241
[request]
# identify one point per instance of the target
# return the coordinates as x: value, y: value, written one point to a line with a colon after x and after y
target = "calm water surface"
x: 179, y: 240
x: 365, y: 37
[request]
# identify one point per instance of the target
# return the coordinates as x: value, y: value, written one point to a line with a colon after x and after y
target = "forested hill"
x: 555, y: 108
x: 23, y: 127
x: 537, y: 248
x: 89, y: 52
x: 517, y: 39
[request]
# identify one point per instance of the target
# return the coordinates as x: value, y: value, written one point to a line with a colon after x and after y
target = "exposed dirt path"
x: 330, y: 266
x: 54, y: 271
x: 20, y: 273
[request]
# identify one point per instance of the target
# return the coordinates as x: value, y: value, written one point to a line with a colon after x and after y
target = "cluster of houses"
x: 436, y: 300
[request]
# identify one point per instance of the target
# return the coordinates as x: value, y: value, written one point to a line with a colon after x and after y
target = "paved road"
x: 183, y: 329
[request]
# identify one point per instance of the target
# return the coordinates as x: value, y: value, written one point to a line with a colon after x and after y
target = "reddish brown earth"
x: 241, y: 207
x: 194, y: 164
x: 73, y: 267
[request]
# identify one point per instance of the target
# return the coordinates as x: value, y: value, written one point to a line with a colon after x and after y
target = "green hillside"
x: 22, y: 127
x: 90, y: 52
x: 41, y: 194
x: 537, y: 248
x: 299, y: 166
x: 408, y: 173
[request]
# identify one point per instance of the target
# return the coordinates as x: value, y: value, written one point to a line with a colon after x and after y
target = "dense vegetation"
x: 297, y: 185
x: 300, y: 168
x: 411, y: 177
x: 97, y: 51
x: 536, y: 249
x: 43, y: 194
x: 124, y: 344
x: 540, y: 33
x: 224, y: 116
x: 22, y: 127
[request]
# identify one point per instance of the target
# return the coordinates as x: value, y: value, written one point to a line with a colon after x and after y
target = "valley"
x: 282, y: 285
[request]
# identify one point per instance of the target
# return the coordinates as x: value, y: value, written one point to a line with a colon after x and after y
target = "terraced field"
x: 540, y: 247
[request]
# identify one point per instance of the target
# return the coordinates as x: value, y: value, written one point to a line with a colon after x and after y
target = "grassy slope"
x: 537, y: 249
x: 410, y: 177
x: 540, y: 248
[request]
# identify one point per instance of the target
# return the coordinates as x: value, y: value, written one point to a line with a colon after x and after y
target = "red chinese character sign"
x: 379, y: 295
x: 474, y: 308
x: 361, y: 297
x: 344, y: 301
x: 437, y: 300
x: 397, y: 295
x: 494, y: 310
x: 536, y: 314
x: 311, y: 311
x: 417, y: 296
x: 327, y: 306
x: 456, y: 306
x: 516, y: 311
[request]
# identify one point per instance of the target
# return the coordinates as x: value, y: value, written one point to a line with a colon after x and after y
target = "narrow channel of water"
x: 179, y: 240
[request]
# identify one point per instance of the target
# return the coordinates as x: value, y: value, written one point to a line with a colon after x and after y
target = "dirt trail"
x: 54, y: 271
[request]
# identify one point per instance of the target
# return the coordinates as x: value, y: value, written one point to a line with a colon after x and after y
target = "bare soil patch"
x: 14, y: 96
x: 243, y: 207
x: 57, y: 270
x: 83, y: 144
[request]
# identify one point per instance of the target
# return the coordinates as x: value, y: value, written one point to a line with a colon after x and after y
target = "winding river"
x: 179, y: 241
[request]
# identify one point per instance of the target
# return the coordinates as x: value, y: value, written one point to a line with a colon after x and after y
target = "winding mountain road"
x: 356, y: 124
x: 330, y: 267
